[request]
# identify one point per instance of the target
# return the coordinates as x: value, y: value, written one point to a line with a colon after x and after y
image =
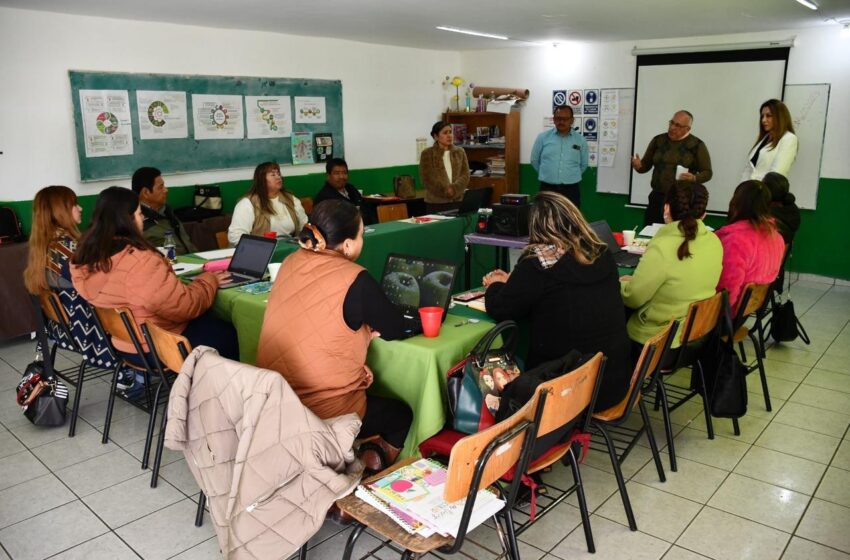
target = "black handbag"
x: 725, y: 375
x: 207, y: 204
x: 475, y: 384
x: 784, y: 324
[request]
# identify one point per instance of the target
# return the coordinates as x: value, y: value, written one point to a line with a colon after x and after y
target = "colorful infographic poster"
x: 162, y: 114
x: 310, y: 110
x: 302, y: 148
x: 268, y: 117
x: 218, y: 117
x: 106, y: 122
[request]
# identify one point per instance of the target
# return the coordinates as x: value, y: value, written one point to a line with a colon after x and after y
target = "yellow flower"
x: 457, y: 81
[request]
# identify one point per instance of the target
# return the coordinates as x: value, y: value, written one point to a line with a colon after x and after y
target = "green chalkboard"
x: 175, y: 155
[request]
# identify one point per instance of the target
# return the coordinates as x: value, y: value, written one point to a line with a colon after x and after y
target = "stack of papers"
x: 496, y: 165
x: 413, y: 497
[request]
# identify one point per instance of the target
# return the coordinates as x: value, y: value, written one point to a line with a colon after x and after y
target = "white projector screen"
x: 724, y: 97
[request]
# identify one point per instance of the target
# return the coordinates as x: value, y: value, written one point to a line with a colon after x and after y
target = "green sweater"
x: 663, y: 287
x: 663, y: 155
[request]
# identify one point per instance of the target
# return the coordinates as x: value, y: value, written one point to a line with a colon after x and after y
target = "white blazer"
x: 778, y: 159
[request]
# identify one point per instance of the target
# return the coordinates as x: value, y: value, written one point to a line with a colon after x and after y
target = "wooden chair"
x: 54, y: 312
x: 391, y: 212
x: 221, y: 239
x: 753, y: 304
x: 611, y: 422
x: 567, y: 398
x: 700, y: 322
x: 474, y: 464
x: 307, y: 203
x: 121, y: 325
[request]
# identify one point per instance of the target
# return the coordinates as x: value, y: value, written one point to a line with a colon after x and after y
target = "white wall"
x: 819, y: 56
x: 391, y: 95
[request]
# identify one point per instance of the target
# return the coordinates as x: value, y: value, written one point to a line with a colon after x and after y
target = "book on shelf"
x: 459, y: 133
x: 417, y: 491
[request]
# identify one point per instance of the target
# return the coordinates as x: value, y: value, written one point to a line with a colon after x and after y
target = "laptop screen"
x: 603, y: 231
x: 473, y: 199
x: 252, y: 255
x: 412, y: 282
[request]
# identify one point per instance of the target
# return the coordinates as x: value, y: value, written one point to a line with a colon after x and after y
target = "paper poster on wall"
x: 218, y: 117
x: 302, y: 148
x: 310, y: 110
x: 323, y: 142
x: 548, y: 122
x: 607, y: 153
x: 578, y: 123
x: 591, y: 102
x: 593, y: 154
x: 559, y: 98
x: 575, y: 98
x: 610, y: 102
x: 106, y: 122
x: 162, y: 114
x: 590, y: 128
x: 268, y: 117
x: 608, y: 129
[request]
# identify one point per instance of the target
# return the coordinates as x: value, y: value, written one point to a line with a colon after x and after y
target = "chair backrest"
x: 570, y: 394
x: 754, y: 298
x: 221, y: 240
x: 390, y: 212
x: 500, y: 447
x: 53, y: 309
x: 120, y: 324
x: 647, y: 367
x: 307, y: 203
x: 702, y: 318
x: 170, y: 349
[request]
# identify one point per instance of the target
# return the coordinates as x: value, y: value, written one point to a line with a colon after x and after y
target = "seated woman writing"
x: 322, y: 313
x: 566, y: 284
x: 681, y: 265
x: 115, y: 266
x: 267, y: 206
x: 752, y: 246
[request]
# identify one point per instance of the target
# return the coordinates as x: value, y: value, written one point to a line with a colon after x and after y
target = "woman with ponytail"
x: 752, y: 246
x: 323, y: 312
x: 681, y: 265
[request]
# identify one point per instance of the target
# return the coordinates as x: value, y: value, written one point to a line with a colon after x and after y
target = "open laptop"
x: 621, y: 257
x: 250, y: 259
x: 473, y: 199
x: 412, y: 282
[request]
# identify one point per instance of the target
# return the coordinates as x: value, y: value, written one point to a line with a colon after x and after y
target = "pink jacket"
x: 749, y: 256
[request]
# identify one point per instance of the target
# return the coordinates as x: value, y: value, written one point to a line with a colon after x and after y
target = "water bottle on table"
x: 170, y: 246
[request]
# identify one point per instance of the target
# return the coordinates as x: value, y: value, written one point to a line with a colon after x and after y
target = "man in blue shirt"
x: 560, y: 157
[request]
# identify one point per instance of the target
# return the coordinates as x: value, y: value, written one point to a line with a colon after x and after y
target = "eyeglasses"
x: 562, y: 118
x: 677, y: 125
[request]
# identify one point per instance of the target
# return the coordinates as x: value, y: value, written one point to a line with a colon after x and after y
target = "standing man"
x: 664, y: 153
x: 559, y: 156
x: 147, y: 182
x: 337, y: 187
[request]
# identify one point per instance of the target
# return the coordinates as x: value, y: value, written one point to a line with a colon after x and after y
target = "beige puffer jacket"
x: 270, y: 468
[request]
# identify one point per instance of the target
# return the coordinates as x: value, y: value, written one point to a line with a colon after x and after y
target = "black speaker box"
x: 510, y: 220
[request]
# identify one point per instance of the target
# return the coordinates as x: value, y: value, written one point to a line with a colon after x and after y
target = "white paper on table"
x: 162, y: 114
x: 607, y: 154
x: 681, y: 169
x: 608, y: 129
x: 310, y: 110
x: 217, y: 254
x: 185, y: 268
x: 106, y: 122
x: 218, y: 117
x: 268, y: 117
x: 650, y: 230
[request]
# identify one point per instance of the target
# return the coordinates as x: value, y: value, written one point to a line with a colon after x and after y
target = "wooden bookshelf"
x: 508, y: 124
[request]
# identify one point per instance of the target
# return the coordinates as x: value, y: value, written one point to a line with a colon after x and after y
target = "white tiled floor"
x: 780, y: 490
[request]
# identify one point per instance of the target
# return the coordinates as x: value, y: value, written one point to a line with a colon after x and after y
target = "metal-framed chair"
x: 700, y: 322
x: 610, y: 423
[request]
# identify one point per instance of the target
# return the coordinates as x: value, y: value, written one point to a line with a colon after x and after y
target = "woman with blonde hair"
x: 53, y: 239
x: 267, y: 206
x: 566, y: 285
x: 775, y: 148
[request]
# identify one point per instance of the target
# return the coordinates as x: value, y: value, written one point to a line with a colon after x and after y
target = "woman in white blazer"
x: 776, y: 146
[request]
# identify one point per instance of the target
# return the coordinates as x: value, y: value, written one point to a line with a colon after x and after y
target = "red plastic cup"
x: 432, y: 318
x: 270, y: 235
x: 618, y: 237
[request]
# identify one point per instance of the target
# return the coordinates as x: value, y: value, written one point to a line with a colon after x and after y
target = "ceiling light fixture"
x: 468, y: 32
x: 809, y: 4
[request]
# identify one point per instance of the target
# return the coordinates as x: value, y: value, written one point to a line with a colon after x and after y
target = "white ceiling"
x: 412, y: 23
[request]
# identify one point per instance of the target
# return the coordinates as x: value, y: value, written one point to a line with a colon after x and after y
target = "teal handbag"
x: 476, y: 383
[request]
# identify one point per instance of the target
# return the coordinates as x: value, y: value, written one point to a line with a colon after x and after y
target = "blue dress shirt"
x: 559, y: 160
